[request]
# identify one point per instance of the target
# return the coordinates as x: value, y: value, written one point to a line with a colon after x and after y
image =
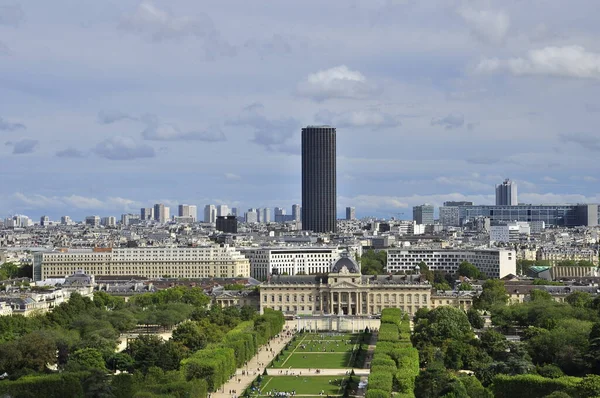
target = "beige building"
x: 343, y: 291
x: 555, y: 255
x: 155, y: 262
x: 457, y: 299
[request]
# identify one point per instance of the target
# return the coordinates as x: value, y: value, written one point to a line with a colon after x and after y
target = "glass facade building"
x: 558, y: 215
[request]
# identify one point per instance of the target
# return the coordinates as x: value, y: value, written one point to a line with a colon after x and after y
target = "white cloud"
x: 272, y: 134
x: 75, y: 201
x: 70, y: 153
x: 453, y: 120
x: 112, y: 116
x: 488, y: 25
x: 336, y: 82
x: 465, y: 183
x: 549, y: 179
x: 123, y: 148
x: 232, y: 176
x: 566, y: 61
x: 158, y: 131
x: 24, y: 146
x: 158, y: 25
x: 584, y: 178
x: 371, y: 118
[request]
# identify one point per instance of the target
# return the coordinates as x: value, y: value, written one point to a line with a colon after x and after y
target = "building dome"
x: 345, y: 265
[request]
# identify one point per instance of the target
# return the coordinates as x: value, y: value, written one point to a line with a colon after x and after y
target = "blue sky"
x: 109, y: 106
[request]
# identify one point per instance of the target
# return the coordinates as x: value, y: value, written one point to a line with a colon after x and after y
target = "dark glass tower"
x: 319, y: 179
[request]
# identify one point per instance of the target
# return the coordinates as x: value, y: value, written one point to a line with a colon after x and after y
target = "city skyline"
x: 433, y: 102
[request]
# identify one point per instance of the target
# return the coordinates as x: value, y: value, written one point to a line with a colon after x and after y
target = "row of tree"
x: 558, y: 351
x: 395, y: 362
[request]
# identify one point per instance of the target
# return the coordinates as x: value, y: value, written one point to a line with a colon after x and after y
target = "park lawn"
x: 315, y: 361
x: 310, y: 385
x: 318, y: 346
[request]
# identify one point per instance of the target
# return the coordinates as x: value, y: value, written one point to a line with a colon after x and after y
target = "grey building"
x: 296, y: 212
x: 568, y: 215
x: 319, y: 211
x: 350, y: 213
x: 506, y: 193
x: 227, y: 224
x: 147, y: 213
x: 450, y: 216
x: 423, y: 214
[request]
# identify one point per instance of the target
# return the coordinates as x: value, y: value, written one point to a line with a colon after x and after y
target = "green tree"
x: 38, y: 349
x: 493, y: 294
x: 189, y: 334
x: 120, y: 361
x: 579, y: 299
x: 426, y: 272
x: 469, y: 270
x: 475, y: 319
x: 432, y: 381
x: 540, y: 295
x: 441, y: 324
x: 86, y: 359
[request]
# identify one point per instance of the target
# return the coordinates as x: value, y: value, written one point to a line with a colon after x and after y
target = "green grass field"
x: 314, y: 350
x: 315, y: 360
x: 312, y: 385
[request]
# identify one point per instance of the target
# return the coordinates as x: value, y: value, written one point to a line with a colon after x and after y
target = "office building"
x: 280, y: 214
x: 66, y: 220
x: 227, y: 224
x: 251, y: 216
x: 493, y: 263
x: 92, y: 221
x: 152, y: 262
x: 234, y: 211
x: 264, y: 215
x: 553, y: 215
x: 108, y: 221
x: 187, y: 211
x: 458, y: 203
x: 319, y: 194
x: 161, y: 213
x: 423, y: 214
x: 210, y: 214
x: 350, y: 213
x: 222, y: 210
x: 506, y: 193
x: 450, y: 216
x: 296, y: 212
x: 44, y: 221
x: 130, y: 219
x: 290, y: 261
x: 147, y: 213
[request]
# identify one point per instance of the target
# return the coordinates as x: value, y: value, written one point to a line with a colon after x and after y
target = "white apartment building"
x: 511, y: 232
x: 153, y: 262
x: 494, y: 263
x: 290, y: 260
x: 108, y: 221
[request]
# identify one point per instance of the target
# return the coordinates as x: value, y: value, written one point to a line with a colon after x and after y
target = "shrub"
x: 381, y: 381
x: 375, y: 393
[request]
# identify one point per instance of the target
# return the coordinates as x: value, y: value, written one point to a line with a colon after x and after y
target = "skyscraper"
x: 296, y: 212
x: 279, y: 214
x: 187, y: 211
x: 264, y: 215
x: 506, y: 193
x: 423, y: 214
x: 222, y: 210
x: 160, y: 213
x: 319, y: 179
x: 350, y: 213
x: 147, y: 213
x: 210, y: 213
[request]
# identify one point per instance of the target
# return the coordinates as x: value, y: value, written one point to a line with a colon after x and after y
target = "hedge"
x: 215, y: 365
x: 531, y: 386
x: 388, y: 332
x: 381, y: 381
x: 375, y: 393
x: 52, y: 386
x: 404, y: 383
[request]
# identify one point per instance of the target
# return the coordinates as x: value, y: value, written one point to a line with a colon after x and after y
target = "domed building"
x: 343, y: 291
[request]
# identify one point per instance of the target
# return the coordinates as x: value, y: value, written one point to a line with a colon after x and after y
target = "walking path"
x: 313, y: 372
x: 244, y: 376
x: 368, y: 358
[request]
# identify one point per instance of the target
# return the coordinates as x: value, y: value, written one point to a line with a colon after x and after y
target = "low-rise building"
x: 152, y: 262
x: 494, y: 263
x: 343, y: 291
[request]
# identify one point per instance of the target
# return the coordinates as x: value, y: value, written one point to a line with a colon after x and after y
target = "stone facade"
x: 344, y: 293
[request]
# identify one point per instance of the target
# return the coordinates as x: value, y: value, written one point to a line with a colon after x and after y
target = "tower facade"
x: 506, y: 193
x: 319, y: 179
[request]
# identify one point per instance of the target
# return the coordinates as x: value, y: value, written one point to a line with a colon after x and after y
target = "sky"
x: 109, y: 106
